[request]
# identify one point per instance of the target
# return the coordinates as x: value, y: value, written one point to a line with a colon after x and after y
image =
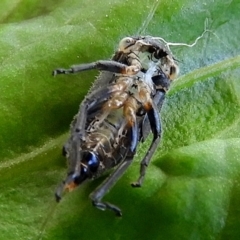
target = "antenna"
x: 167, y: 44
x: 149, y: 17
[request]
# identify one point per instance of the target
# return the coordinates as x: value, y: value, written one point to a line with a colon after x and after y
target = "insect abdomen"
x: 108, y: 141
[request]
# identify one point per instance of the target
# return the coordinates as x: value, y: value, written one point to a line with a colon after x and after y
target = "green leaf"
x: 192, y: 187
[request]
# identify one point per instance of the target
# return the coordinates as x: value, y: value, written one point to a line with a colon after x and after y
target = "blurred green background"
x: 192, y: 187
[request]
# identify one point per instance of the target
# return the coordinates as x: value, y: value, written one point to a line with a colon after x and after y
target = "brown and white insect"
x: 118, y: 112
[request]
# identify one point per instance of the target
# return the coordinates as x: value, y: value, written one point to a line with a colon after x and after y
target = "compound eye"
x: 174, y: 70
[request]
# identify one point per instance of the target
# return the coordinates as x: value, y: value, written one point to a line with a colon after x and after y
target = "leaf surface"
x: 192, y: 187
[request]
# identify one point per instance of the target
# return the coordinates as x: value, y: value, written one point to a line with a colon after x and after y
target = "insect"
x: 118, y: 112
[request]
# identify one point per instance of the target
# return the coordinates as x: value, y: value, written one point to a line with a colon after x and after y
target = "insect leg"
x: 74, y: 158
x: 155, y: 124
x: 99, y: 193
x: 162, y: 84
x: 102, y: 65
x: 72, y: 147
x: 144, y: 124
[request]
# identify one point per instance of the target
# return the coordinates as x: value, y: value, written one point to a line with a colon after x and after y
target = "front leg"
x: 102, y: 65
